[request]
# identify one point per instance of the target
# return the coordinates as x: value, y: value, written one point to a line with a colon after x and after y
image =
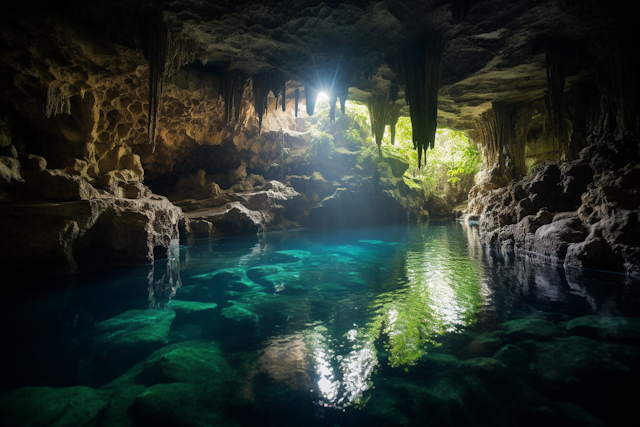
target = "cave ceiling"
x: 492, y: 48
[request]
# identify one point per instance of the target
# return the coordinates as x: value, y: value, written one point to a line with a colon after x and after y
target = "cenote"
x: 319, y: 213
x: 376, y: 326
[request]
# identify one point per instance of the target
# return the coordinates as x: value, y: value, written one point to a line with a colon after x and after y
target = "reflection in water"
x: 342, y: 378
x: 442, y: 293
x: 163, y: 288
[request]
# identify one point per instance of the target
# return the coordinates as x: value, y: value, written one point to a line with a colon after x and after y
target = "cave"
x: 307, y: 212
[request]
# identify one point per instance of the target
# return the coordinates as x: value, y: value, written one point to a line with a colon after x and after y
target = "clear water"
x: 387, y: 326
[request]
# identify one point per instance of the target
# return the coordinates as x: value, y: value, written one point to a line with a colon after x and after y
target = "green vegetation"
x: 447, y: 168
x: 453, y: 157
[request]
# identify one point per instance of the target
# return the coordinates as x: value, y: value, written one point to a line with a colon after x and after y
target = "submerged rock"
x: 619, y: 329
x: 238, y: 318
x: 189, y: 310
x: 537, y: 329
x: 182, y: 404
x: 45, y: 406
x: 131, y: 330
x: 192, y: 362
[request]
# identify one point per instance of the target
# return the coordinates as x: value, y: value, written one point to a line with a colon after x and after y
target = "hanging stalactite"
x: 297, y: 98
x: 310, y: 95
x: 486, y: 136
x: 556, y: 75
x: 382, y: 112
x: 512, y: 126
x: 168, y: 51
x: 420, y: 67
x: 232, y: 89
x: 271, y: 81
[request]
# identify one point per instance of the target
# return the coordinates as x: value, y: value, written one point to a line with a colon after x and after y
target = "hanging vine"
x: 420, y: 68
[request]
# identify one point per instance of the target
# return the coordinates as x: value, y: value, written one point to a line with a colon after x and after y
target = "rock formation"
x: 105, y: 104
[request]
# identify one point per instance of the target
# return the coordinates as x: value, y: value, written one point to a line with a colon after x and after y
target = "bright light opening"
x: 322, y: 97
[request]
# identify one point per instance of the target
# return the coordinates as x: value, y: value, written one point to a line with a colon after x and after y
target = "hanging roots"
x: 420, y: 67
x: 232, y: 89
x: 271, y: 81
x: 382, y: 113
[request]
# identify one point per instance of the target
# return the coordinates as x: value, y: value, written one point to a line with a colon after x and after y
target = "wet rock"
x: 618, y: 329
x: 190, y: 310
x: 552, y: 240
x: 45, y: 406
x: 485, y: 345
x: 192, y: 362
x: 587, y: 372
x: 594, y: 203
x: 62, y: 237
x: 135, y: 329
x: 238, y: 318
x: 181, y: 404
x: 536, y: 329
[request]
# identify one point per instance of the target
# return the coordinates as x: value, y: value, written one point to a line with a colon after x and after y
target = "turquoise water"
x: 385, y: 327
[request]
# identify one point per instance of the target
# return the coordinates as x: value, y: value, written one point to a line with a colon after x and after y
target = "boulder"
x: 45, y: 406
x: 536, y: 329
x: 9, y: 171
x: 238, y: 174
x: 132, y: 330
x: 618, y: 329
x: 190, y: 310
x: 192, y: 362
x: 237, y: 318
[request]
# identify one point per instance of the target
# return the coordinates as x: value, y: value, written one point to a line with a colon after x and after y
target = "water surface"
x: 386, y: 326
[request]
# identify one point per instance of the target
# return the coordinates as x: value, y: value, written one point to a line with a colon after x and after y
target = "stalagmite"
x: 420, y: 68
x: 232, y: 89
x: 271, y: 81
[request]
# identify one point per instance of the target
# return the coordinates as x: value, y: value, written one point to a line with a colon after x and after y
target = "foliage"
x: 452, y: 159
x: 321, y: 144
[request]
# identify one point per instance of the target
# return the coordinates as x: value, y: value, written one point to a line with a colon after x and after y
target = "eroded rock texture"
x: 585, y: 212
x: 204, y: 102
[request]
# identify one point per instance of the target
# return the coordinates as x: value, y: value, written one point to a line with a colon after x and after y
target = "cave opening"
x: 195, y: 232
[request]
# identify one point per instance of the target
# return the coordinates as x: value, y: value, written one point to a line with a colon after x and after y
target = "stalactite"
x: 270, y: 81
x: 512, y: 125
x: 420, y: 66
x: 556, y: 76
x: 487, y: 138
x: 617, y: 73
x: 58, y: 102
x: 297, y: 98
x: 232, y: 89
x: 168, y: 51
x: 382, y: 112
x: 332, y: 107
x: 311, y: 95
x: 393, y: 121
x: 393, y: 90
